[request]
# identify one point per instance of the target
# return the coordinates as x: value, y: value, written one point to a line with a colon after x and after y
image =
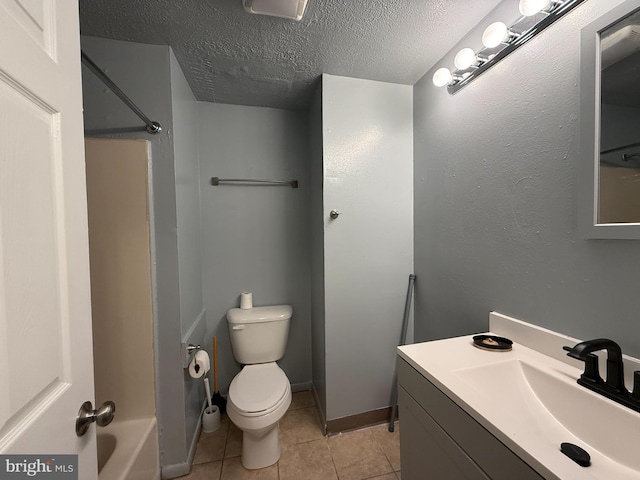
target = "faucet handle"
x: 591, y: 372
x: 636, y: 385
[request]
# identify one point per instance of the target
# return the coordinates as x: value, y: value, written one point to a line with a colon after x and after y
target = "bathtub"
x: 128, y: 450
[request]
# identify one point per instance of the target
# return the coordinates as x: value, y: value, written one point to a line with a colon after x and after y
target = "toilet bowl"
x: 261, y: 393
x: 259, y: 396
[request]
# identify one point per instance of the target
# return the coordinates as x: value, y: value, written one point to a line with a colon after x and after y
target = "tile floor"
x: 371, y: 453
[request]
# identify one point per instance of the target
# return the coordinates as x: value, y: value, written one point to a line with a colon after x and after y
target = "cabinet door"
x: 495, y: 459
x: 427, y: 451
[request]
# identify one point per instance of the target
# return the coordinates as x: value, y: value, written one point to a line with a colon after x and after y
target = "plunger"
x: 217, y: 399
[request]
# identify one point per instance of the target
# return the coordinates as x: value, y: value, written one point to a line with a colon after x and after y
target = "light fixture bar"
x: 557, y: 11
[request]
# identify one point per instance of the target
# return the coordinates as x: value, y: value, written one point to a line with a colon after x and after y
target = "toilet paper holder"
x: 188, y: 351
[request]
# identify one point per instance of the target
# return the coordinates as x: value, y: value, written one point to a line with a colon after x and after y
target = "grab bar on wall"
x: 151, y: 127
x: 215, y: 181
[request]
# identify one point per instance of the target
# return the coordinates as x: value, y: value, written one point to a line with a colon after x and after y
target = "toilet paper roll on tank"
x: 199, y: 364
x: 246, y: 300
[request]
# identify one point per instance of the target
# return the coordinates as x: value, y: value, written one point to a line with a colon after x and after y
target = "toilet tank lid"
x: 271, y: 313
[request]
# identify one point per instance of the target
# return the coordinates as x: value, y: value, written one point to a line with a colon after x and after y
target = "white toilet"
x: 260, y: 394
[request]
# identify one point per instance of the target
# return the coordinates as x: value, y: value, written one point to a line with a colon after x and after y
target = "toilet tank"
x: 259, y: 334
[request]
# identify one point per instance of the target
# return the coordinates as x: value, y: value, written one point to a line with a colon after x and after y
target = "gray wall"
x: 367, y: 162
x: 255, y: 238
x: 187, y: 177
x: 143, y: 72
x: 496, y: 198
x: 316, y: 231
x: 187, y: 171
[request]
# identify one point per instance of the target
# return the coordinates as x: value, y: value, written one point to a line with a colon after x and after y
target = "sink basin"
x: 529, y: 400
x: 523, y: 391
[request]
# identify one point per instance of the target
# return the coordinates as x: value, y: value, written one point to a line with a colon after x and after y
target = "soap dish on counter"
x: 492, y: 342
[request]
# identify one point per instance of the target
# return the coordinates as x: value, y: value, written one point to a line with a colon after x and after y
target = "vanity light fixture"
x: 442, y: 77
x: 529, y: 8
x: 496, y: 34
x: 500, y: 40
x: 466, y: 58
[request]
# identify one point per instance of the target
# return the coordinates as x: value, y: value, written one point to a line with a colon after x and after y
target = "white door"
x: 46, y: 363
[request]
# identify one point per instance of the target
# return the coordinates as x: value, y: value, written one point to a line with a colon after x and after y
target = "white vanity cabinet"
x: 440, y: 441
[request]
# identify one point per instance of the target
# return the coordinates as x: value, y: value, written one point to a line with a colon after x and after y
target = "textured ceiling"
x: 230, y: 56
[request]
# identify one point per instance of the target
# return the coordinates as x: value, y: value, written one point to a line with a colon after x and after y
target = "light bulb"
x: 442, y: 77
x: 495, y: 34
x: 465, y: 58
x: 531, y: 7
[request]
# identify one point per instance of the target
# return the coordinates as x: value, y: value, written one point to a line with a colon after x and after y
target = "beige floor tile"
x: 234, y: 442
x: 398, y: 475
x: 211, y: 445
x: 388, y: 476
x: 388, y: 442
x: 301, y: 400
x: 232, y: 469
x: 308, y: 461
x: 206, y: 471
x: 356, y: 455
x: 301, y: 425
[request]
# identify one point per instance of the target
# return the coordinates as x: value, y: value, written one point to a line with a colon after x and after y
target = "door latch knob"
x: 87, y: 415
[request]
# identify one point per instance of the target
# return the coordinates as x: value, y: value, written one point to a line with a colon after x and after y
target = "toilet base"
x: 260, y: 451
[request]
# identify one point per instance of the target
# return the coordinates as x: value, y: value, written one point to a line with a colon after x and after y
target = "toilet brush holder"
x: 211, y: 419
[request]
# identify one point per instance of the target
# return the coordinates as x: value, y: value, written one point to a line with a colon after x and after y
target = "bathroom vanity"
x: 469, y: 413
x: 439, y: 438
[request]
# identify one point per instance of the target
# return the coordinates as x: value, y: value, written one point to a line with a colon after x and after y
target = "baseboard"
x: 353, y: 422
x: 323, y: 419
x: 300, y: 387
x: 175, y: 471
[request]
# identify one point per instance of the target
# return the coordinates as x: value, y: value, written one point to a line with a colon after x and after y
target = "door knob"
x: 87, y: 415
x: 334, y: 214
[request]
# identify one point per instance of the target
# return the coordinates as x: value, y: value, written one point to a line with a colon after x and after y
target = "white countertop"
x: 531, y: 403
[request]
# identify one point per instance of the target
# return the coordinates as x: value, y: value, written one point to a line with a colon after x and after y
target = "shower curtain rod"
x: 151, y: 127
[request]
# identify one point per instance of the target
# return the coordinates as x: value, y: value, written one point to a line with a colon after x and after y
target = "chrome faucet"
x: 613, y: 388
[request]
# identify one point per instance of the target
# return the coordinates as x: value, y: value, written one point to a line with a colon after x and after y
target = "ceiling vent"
x: 293, y: 9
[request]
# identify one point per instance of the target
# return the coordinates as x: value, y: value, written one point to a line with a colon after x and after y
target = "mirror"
x: 610, y: 119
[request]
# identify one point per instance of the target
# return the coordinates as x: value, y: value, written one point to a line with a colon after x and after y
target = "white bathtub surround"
x: 122, y: 305
x: 528, y: 399
x: 129, y: 450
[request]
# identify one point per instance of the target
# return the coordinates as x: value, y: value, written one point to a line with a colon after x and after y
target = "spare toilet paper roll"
x: 199, y: 364
x: 246, y: 300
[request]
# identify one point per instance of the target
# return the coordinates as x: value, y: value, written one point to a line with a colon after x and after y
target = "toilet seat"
x: 258, y: 389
